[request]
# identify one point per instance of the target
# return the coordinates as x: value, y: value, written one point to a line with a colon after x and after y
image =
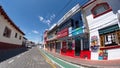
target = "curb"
x: 47, y: 60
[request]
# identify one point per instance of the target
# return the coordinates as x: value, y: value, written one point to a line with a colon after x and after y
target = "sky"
x: 33, y: 17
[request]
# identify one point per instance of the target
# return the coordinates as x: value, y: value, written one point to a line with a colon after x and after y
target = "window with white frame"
x: 110, y: 38
x: 100, y: 9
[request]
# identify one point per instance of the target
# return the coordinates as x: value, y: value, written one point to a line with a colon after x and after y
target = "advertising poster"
x: 103, y: 55
x: 94, y: 44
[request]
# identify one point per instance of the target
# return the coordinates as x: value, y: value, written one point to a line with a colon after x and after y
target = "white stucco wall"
x: 114, y: 54
x: 102, y: 21
x: 12, y: 39
x: 94, y: 55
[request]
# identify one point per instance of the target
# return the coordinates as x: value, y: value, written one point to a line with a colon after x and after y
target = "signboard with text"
x: 62, y: 33
x: 77, y: 31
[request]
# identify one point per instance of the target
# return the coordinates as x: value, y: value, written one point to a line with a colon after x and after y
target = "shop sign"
x: 77, y: 31
x: 103, y: 55
x: 62, y: 33
x: 94, y: 44
x: 70, y: 31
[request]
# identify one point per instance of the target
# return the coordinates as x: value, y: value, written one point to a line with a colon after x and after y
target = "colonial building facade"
x: 70, y: 35
x: 90, y: 31
x: 10, y: 35
x: 103, y: 22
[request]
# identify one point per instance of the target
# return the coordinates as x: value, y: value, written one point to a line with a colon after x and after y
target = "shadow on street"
x: 6, y: 54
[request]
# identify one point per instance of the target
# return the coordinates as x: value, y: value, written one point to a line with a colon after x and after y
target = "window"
x: 20, y: 37
x: 100, y: 9
x: 85, y: 41
x: 109, y: 39
x: 81, y: 18
x: 72, y: 23
x: 15, y: 35
x: 70, y: 45
x: 110, y: 35
x: 77, y: 24
x: 7, y: 32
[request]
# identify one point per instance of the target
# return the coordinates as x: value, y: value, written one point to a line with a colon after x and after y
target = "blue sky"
x: 33, y: 17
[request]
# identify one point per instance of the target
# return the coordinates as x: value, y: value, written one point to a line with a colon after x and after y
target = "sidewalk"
x: 90, y: 63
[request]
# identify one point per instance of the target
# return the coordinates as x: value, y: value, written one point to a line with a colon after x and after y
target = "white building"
x: 103, y: 24
x: 10, y: 35
x: 24, y: 42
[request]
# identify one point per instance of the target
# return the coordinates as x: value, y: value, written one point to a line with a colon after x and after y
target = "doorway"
x: 58, y: 47
x: 77, y: 47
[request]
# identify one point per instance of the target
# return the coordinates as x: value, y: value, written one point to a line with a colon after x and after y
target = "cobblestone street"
x: 29, y: 59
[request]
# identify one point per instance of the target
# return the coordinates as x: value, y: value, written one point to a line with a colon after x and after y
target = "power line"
x: 59, y: 13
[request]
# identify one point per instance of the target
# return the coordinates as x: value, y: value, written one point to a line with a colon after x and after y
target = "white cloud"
x: 36, y: 32
x: 52, y: 17
x: 29, y: 33
x: 41, y: 18
x: 47, y: 21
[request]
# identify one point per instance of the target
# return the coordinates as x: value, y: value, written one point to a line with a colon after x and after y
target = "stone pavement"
x: 6, y: 54
x: 28, y: 59
x: 90, y: 63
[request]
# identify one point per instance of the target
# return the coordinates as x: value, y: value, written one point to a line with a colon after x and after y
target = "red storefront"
x: 62, y: 33
x: 66, y: 48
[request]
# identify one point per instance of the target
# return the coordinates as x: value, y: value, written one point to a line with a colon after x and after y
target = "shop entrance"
x: 64, y: 47
x: 58, y: 47
x: 77, y: 47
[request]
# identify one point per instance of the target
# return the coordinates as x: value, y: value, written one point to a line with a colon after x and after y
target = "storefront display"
x: 103, y: 55
x: 69, y: 45
x: 109, y: 36
x: 64, y: 47
x: 58, y: 47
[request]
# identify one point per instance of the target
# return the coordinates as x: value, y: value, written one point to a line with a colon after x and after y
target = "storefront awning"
x: 109, y: 29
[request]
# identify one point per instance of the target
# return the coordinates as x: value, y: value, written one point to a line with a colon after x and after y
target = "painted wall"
x: 113, y: 54
x: 94, y: 55
x: 103, y: 20
x: 94, y: 24
x: 12, y: 39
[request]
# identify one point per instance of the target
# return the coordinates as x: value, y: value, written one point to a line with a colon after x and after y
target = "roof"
x: 2, y: 12
x: 25, y: 38
x: 53, y: 28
